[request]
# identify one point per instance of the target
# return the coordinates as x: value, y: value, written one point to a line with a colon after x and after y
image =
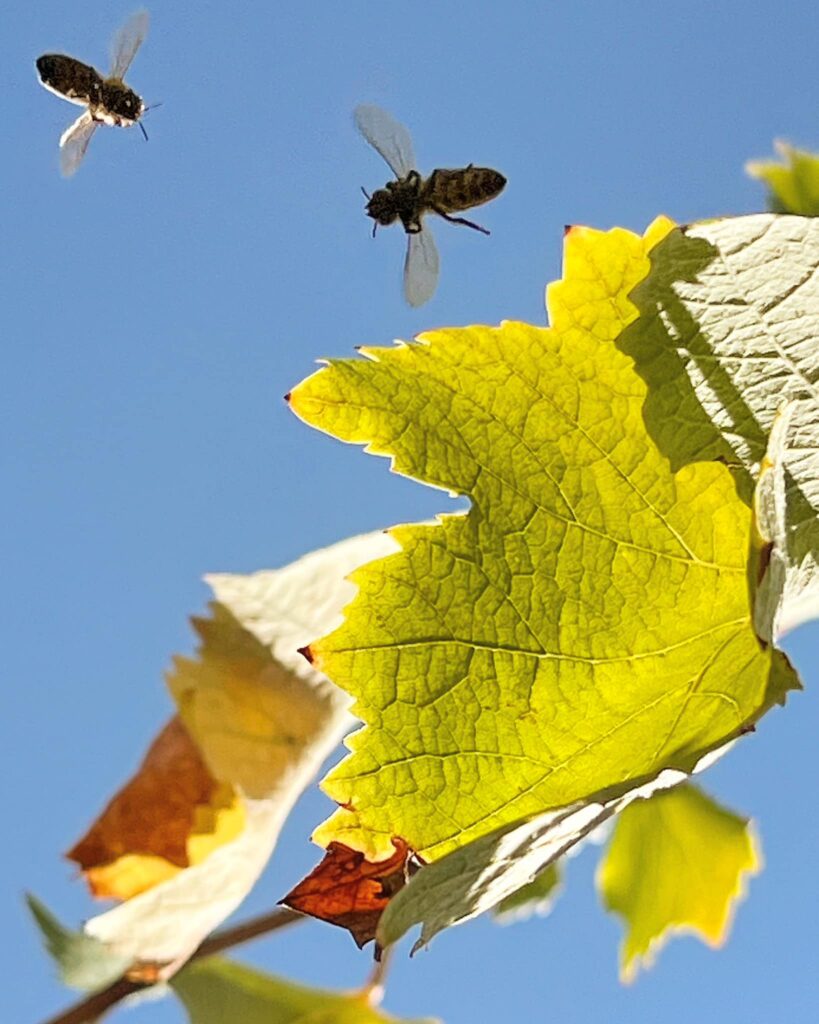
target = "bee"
x: 411, y: 196
x: 106, y: 100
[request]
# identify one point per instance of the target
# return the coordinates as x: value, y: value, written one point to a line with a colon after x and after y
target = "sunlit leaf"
x: 217, y: 991
x: 676, y: 863
x: 263, y: 721
x: 584, y: 627
x: 728, y: 334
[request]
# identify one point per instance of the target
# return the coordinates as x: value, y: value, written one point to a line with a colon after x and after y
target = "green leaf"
x: 793, y: 183
x: 216, y: 991
x: 728, y: 335
x: 83, y: 962
x: 584, y: 627
x: 676, y: 862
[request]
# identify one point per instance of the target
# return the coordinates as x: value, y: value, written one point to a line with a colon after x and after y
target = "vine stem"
x: 94, y: 1006
x: 373, y: 990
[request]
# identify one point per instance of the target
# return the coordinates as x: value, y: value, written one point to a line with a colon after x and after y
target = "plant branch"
x: 92, y: 1007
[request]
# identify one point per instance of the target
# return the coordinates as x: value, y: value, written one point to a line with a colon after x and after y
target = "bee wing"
x: 387, y: 137
x: 420, y: 268
x: 126, y: 43
x: 74, y: 142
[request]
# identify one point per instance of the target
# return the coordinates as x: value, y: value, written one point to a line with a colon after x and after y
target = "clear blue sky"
x: 155, y: 309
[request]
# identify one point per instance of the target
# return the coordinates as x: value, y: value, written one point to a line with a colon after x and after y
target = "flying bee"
x: 411, y: 196
x: 106, y: 100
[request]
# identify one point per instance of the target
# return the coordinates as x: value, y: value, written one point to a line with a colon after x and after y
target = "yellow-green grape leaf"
x: 793, y: 182
x: 584, y: 627
x: 216, y: 991
x: 263, y: 720
x: 82, y: 962
x: 676, y: 863
x: 728, y: 334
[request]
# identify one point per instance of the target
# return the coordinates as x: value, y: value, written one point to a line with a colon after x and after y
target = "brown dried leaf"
x: 171, y: 798
x: 348, y: 890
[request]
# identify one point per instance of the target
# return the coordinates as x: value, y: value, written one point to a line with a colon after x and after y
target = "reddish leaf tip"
x: 347, y: 890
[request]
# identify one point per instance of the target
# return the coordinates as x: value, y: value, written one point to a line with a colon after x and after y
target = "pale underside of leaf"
x: 728, y: 331
x: 536, y: 898
x: 481, y: 875
x: 264, y: 720
x: 492, y: 870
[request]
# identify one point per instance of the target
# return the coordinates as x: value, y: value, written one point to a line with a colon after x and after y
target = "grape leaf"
x: 584, y: 627
x: 675, y: 863
x: 167, y: 817
x: 728, y: 333
x: 83, y: 962
x: 263, y: 720
x: 216, y: 991
x: 793, y: 183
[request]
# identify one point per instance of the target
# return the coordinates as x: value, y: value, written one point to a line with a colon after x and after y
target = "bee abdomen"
x: 462, y: 188
x: 69, y: 77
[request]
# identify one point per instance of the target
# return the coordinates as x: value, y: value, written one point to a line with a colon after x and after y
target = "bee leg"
x: 412, y: 225
x: 460, y: 220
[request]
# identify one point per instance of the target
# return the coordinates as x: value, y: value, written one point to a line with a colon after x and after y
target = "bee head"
x: 382, y: 207
x: 134, y: 105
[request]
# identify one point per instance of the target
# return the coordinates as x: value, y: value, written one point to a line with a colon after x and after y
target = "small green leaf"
x: 217, y: 991
x: 676, y: 862
x: 83, y: 962
x: 793, y: 183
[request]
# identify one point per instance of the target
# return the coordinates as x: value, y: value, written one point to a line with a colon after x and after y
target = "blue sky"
x: 157, y: 307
